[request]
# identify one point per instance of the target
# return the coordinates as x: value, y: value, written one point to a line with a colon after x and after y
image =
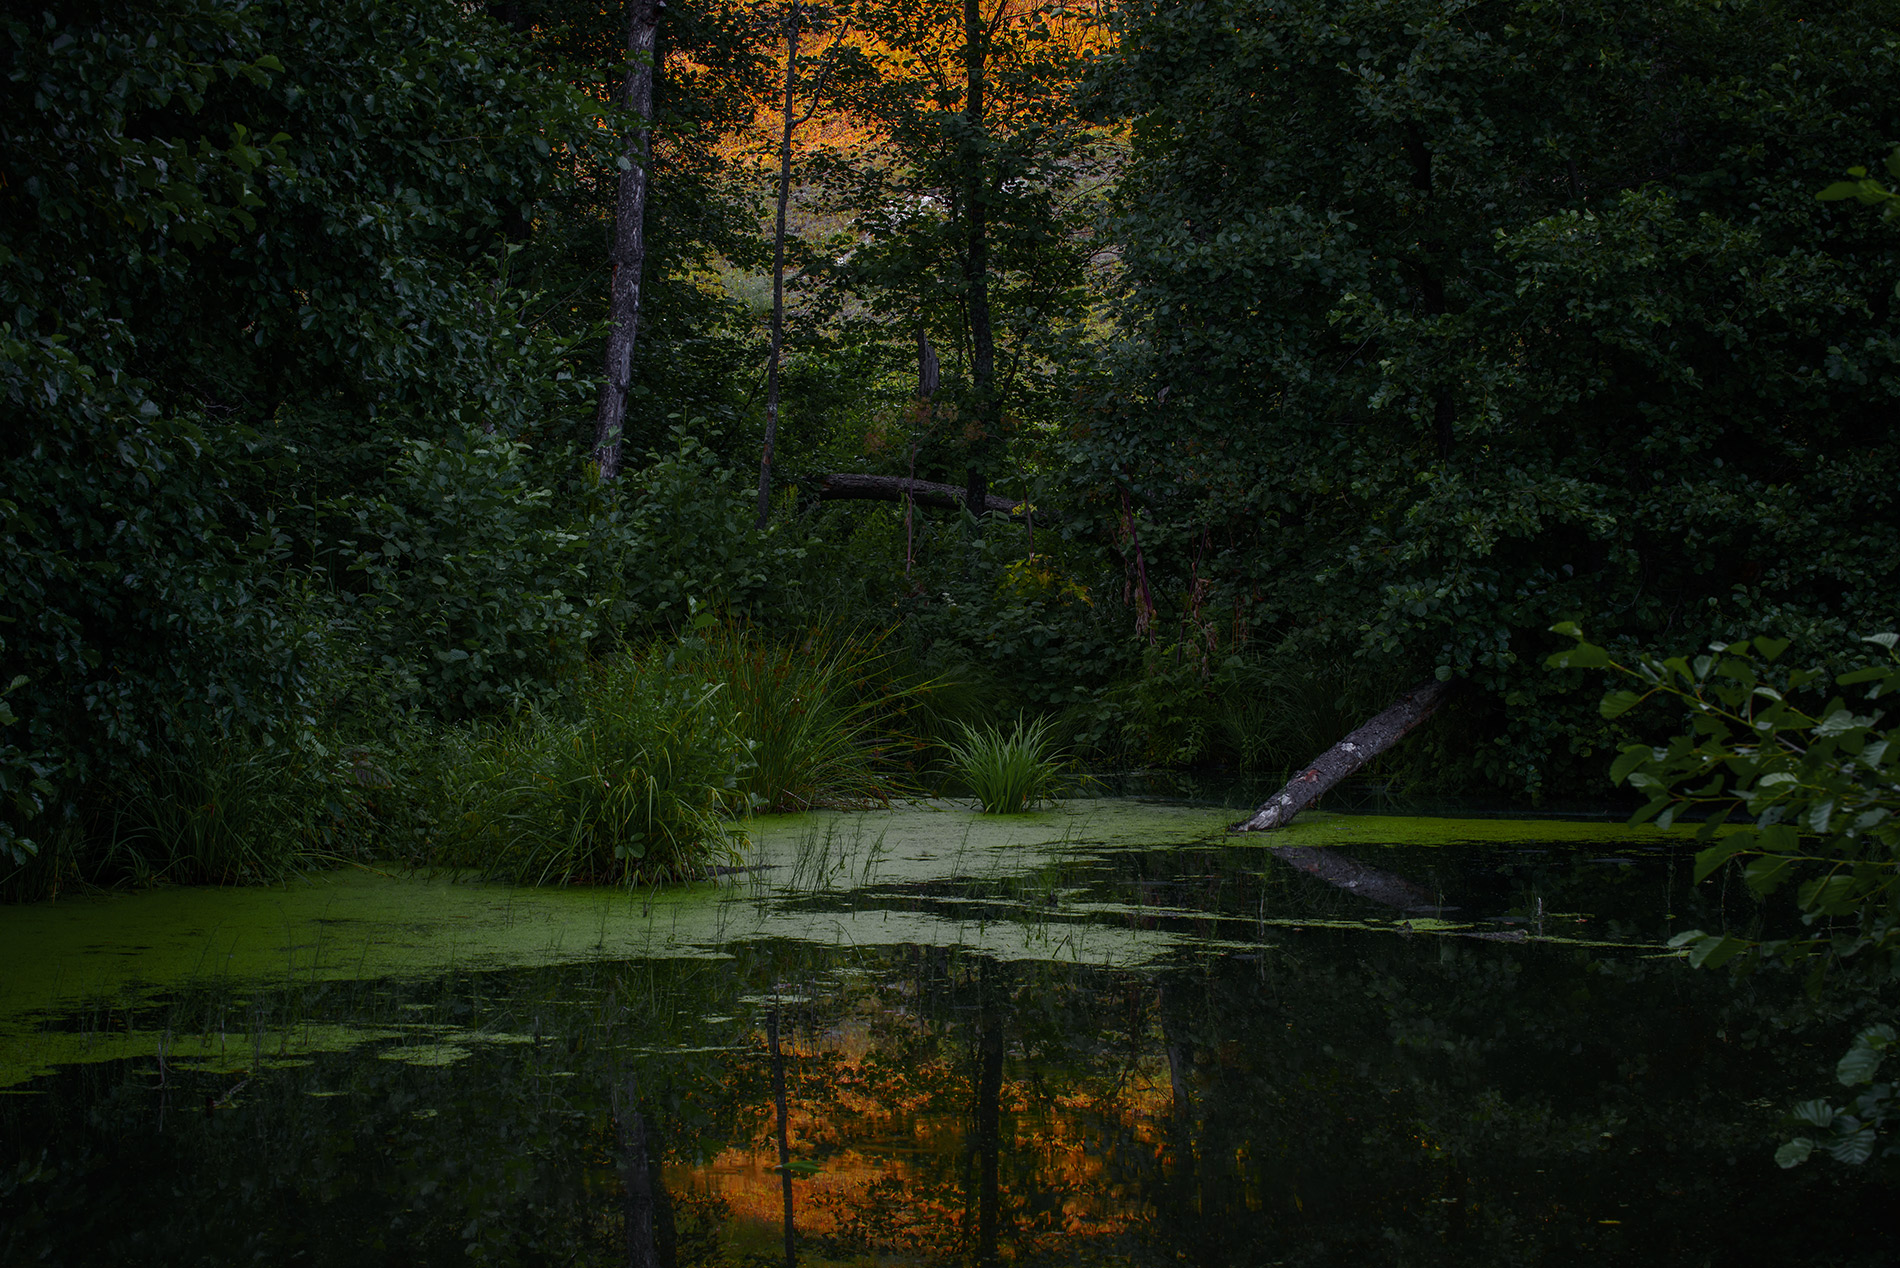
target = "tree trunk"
x: 629, y: 243
x: 848, y: 487
x: 976, y: 263
x: 1347, y: 756
x: 778, y: 263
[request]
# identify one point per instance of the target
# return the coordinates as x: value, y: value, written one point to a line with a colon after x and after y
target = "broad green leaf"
x: 1713, y: 953
x: 1853, y: 1149
x: 1863, y: 1059
x: 1838, y: 722
x: 1764, y: 875
x: 1815, y: 1113
x: 1794, y: 1152
x: 1628, y: 760
x: 1829, y: 895
x: 1778, y: 837
x: 1618, y: 703
x: 1709, y: 861
x: 1582, y: 656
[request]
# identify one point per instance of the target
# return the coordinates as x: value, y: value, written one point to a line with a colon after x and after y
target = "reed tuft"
x: 1008, y: 773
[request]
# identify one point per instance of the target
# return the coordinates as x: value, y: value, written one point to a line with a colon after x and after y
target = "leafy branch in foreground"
x: 1795, y: 795
x: 1867, y: 191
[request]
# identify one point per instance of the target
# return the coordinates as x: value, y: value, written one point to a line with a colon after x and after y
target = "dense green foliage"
x: 1345, y: 342
x: 1444, y: 321
x: 234, y: 288
x: 292, y: 449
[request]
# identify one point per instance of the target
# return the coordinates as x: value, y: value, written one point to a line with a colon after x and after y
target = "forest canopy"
x: 1310, y: 348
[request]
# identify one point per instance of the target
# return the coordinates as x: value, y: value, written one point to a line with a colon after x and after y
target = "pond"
x: 1103, y: 1034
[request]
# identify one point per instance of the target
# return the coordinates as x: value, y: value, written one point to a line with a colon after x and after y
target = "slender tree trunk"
x: 629, y: 243
x: 976, y: 264
x: 1347, y: 756
x: 927, y: 378
x: 792, y: 17
x: 784, y: 1139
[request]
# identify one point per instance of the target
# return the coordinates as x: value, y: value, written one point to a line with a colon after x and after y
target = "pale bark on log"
x: 629, y: 242
x: 846, y: 486
x: 1347, y: 756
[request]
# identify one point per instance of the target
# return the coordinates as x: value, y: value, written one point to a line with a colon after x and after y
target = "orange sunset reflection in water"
x: 899, y: 1176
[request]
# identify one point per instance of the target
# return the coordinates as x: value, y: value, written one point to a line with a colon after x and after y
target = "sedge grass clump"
x: 227, y: 810
x: 641, y: 783
x: 823, y: 712
x: 1008, y: 773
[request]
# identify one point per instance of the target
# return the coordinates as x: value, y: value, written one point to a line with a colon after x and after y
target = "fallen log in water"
x: 1347, y: 756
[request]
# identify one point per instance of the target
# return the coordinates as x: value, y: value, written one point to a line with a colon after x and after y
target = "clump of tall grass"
x: 641, y: 783
x: 227, y: 810
x: 824, y: 713
x: 1008, y: 773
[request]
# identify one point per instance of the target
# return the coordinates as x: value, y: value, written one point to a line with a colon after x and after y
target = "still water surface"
x: 1099, y: 1035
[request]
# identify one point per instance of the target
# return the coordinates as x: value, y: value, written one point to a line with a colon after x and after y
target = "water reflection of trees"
x: 1316, y: 1097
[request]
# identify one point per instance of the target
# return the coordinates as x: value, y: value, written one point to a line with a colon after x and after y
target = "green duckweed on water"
x: 125, y: 950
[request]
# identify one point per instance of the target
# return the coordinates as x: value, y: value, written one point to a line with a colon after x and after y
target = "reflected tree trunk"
x: 1180, y: 1181
x: 1356, y: 878
x: 784, y: 1134
x: 988, y: 1116
x: 1180, y: 1061
x: 643, y: 1196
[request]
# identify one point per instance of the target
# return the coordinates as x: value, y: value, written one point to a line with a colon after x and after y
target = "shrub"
x: 233, y: 809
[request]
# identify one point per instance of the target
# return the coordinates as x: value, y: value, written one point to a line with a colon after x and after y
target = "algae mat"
x: 124, y: 949
x: 825, y: 878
